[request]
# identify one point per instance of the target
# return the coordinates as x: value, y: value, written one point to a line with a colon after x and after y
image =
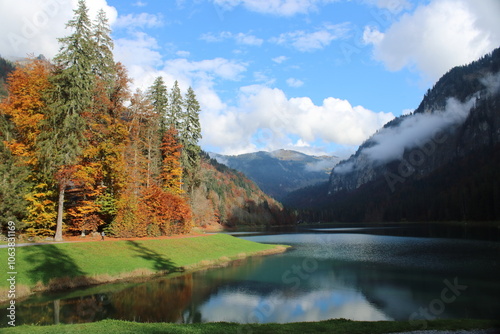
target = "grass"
x: 338, y: 326
x: 69, y: 265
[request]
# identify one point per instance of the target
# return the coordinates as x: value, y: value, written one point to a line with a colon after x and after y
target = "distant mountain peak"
x: 281, y: 171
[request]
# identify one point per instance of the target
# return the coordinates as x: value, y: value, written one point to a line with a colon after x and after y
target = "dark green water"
x: 377, y: 274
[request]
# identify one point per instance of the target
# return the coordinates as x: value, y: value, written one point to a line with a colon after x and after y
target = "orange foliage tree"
x: 25, y: 110
x: 171, y: 173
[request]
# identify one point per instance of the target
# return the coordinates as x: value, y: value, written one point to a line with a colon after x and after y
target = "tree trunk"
x: 60, y: 211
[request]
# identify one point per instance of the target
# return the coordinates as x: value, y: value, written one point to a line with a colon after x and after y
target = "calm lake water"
x: 359, y: 273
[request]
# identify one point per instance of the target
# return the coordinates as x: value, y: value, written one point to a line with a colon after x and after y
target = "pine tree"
x: 190, y: 136
x: 71, y: 95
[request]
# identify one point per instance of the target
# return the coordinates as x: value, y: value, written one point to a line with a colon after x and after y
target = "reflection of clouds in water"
x: 243, y: 307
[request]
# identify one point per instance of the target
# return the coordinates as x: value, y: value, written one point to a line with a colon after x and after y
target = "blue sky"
x: 318, y: 76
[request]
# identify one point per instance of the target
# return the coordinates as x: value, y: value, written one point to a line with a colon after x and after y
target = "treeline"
x: 468, y: 189
x: 77, y: 145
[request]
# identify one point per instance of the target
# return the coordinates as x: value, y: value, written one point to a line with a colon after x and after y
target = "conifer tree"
x: 190, y: 136
x: 62, y: 137
x: 158, y: 95
x: 175, y: 108
x: 104, y: 65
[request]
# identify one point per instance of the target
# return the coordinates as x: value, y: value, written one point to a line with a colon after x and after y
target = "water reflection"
x: 335, y: 275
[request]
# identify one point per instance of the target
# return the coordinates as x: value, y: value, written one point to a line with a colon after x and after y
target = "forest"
x: 80, y: 152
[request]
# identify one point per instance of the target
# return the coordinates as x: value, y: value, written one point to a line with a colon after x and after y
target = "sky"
x: 316, y: 76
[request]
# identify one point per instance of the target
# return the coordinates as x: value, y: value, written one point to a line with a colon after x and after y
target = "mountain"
x: 279, y: 172
x: 439, y: 163
x: 227, y: 197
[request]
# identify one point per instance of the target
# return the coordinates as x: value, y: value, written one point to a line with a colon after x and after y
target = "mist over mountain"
x: 279, y: 172
x: 440, y: 162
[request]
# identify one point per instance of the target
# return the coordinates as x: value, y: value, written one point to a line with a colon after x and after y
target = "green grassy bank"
x: 338, y: 326
x: 59, y: 266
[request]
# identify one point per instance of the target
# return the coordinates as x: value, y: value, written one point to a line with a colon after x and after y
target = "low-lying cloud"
x: 415, y: 130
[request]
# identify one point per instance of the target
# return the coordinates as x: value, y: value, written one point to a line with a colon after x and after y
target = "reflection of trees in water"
x: 75, y: 310
x: 160, y: 300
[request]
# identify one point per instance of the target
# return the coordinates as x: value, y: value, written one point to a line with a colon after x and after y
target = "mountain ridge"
x: 423, y: 166
x: 281, y: 171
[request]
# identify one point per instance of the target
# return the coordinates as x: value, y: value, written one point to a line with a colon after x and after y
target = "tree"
x: 190, y: 136
x: 73, y: 83
x: 175, y: 109
x: 104, y: 65
x: 159, y: 98
x: 171, y: 174
x: 27, y: 196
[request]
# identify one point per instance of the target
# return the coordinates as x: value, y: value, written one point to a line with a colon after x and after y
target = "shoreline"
x: 24, y: 291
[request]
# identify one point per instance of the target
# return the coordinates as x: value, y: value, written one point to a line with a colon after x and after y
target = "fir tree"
x: 62, y: 137
x: 104, y: 65
x: 175, y: 109
x: 190, y: 136
x: 159, y: 98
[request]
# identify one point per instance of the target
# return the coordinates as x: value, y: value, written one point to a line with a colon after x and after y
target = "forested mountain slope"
x: 279, y: 172
x: 439, y: 163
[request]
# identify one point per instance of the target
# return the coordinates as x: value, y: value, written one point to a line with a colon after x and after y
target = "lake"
x: 355, y: 272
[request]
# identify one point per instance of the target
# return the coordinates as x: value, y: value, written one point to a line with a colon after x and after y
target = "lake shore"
x: 69, y: 265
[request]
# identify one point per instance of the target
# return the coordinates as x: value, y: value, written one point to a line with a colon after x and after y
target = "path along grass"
x: 59, y: 266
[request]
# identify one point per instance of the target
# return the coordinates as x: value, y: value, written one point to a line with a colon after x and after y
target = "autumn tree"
x: 171, y: 174
x: 130, y: 220
x: 102, y: 158
x: 23, y: 113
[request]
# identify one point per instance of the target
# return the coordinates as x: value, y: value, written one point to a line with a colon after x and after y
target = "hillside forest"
x: 80, y: 152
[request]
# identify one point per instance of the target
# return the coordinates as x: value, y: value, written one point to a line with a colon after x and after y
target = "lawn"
x: 338, y: 326
x: 66, y: 265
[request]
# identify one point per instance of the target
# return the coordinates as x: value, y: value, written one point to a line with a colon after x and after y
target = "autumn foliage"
x: 81, y: 153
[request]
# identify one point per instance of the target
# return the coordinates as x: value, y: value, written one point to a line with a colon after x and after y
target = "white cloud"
x: 128, y: 49
x: 415, y: 130
x: 311, y: 41
x: 206, y: 70
x: 183, y: 54
x: 265, y: 118
x: 142, y: 20
x: 280, y: 59
x: 33, y: 27
x: 438, y: 36
x: 393, y: 6
x: 371, y: 35
x: 247, y: 39
x: 292, y: 82
x: 140, y: 4
x: 274, y: 7
x: 239, y: 38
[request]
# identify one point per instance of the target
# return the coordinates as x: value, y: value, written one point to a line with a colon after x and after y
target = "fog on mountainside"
x: 438, y: 163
